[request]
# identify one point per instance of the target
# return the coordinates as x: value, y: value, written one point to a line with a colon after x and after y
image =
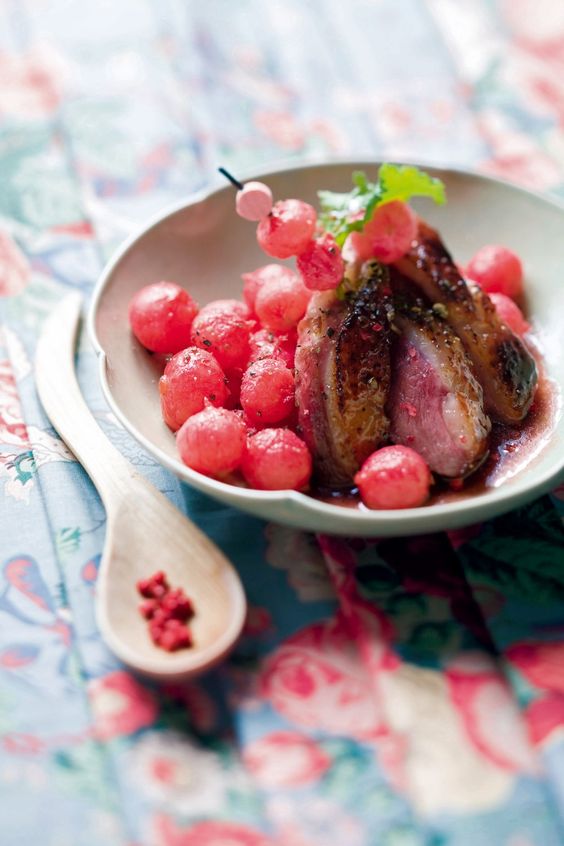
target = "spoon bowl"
x: 147, y: 533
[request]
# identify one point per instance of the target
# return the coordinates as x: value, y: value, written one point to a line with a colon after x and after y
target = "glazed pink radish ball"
x: 394, y: 477
x: 161, y: 315
x: 391, y: 231
x: 321, y: 264
x: 212, y: 441
x: 265, y: 344
x: 255, y: 279
x: 358, y: 247
x: 275, y: 460
x: 510, y: 313
x: 267, y: 391
x: 287, y: 230
x: 221, y: 330
x: 387, y: 236
x: 281, y: 303
x: 191, y: 377
x: 497, y: 270
x: 234, y: 307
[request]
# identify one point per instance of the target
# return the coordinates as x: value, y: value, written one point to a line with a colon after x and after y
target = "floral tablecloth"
x: 406, y: 693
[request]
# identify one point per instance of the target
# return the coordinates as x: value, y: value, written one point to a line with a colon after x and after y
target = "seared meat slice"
x: 501, y: 362
x: 435, y: 404
x: 343, y: 376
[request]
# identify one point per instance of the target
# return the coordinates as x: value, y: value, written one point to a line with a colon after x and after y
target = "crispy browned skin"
x: 501, y: 362
x: 343, y: 377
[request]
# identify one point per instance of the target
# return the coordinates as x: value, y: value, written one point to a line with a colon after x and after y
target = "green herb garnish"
x: 342, y: 214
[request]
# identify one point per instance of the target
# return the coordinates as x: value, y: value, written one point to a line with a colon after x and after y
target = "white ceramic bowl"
x: 204, y: 246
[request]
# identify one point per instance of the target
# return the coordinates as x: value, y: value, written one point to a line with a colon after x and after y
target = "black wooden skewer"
x: 231, y: 178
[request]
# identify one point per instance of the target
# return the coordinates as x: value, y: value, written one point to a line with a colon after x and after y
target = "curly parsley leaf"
x: 360, y: 180
x: 401, y: 182
x: 342, y: 214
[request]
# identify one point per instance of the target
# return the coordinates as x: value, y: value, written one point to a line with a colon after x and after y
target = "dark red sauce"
x: 512, y: 448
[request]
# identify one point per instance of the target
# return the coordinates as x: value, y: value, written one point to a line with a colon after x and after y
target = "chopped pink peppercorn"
x: 167, y: 611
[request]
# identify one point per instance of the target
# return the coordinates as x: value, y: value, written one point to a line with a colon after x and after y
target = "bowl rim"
x: 459, y: 512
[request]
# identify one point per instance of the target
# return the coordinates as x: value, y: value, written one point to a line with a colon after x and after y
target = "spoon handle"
x: 64, y: 404
x: 145, y: 532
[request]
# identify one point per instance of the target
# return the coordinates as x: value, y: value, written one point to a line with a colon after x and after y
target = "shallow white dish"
x: 205, y: 247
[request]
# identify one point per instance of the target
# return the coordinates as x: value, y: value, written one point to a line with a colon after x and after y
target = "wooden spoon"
x: 145, y: 532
